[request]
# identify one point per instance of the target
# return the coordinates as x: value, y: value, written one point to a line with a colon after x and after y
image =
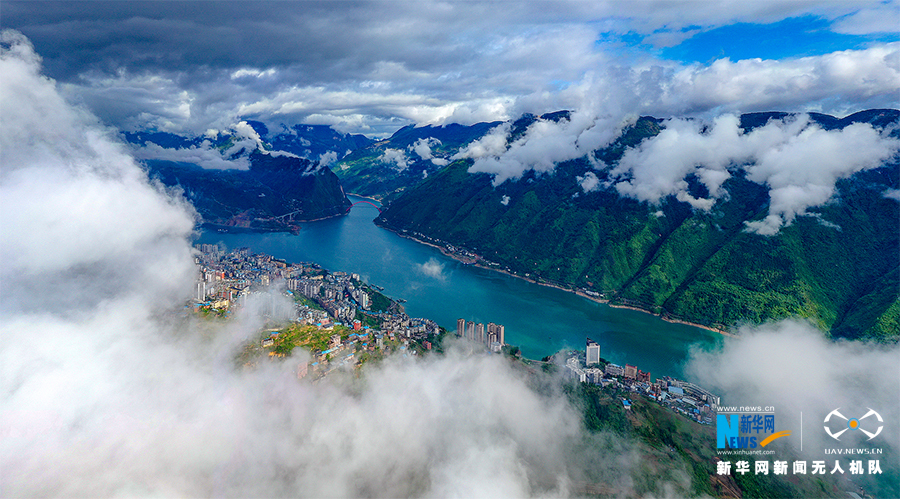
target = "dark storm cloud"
x: 340, y: 39
x: 374, y: 66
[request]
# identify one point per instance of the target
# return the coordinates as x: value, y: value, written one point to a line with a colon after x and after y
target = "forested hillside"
x: 837, y: 265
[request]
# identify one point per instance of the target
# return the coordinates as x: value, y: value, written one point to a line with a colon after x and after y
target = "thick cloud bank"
x: 204, y: 156
x: 235, y: 144
x: 107, y: 391
x: 544, y: 144
x: 78, y: 213
x: 791, y: 366
x: 798, y: 160
x: 188, y: 67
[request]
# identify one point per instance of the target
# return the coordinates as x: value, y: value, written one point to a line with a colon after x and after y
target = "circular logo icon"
x: 853, y: 424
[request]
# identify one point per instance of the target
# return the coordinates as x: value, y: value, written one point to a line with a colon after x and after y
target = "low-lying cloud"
x: 243, y: 141
x: 422, y: 147
x: 790, y: 365
x: 795, y: 158
x: 798, y: 160
x: 397, y: 157
x: 544, y: 144
x: 589, y: 182
x: 111, y: 389
x: 432, y: 268
x: 204, y: 156
x: 328, y: 158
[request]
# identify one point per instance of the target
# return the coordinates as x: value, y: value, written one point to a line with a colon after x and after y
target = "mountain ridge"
x: 836, y: 266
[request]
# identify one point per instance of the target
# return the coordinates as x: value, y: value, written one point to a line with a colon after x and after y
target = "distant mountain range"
x: 311, y: 141
x: 838, y: 266
x: 246, y: 185
x: 386, y: 168
x: 275, y: 194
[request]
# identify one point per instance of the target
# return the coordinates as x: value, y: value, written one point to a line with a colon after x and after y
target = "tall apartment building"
x: 592, y: 356
x: 479, y: 333
x: 460, y: 327
x: 496, y: 332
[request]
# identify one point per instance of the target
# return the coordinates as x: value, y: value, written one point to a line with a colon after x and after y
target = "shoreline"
x: 561, y: 288
x: 365, y: 197
x: 237, y: 229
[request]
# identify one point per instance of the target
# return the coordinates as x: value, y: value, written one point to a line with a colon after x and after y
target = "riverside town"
x: 344, y: 321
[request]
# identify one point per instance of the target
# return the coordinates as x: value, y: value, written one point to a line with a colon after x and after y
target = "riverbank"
x: 370, y: 198
x: 283, y: 227
x: 576, y: 291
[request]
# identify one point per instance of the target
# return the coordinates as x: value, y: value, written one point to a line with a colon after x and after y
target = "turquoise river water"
x: 539, y: 319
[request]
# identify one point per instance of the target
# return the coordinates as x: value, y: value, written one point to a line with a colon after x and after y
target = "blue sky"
x: 793, y: 37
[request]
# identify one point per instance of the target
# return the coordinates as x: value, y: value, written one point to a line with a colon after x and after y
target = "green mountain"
x: 388, y: 167
x: 275, y: 194
x: 839, y: 266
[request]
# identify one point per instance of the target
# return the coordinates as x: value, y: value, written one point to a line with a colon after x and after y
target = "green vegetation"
x: 309, y: 337
x: 511, y: 351
x: 302, y: 300
x: 212, y: 313
x: 367, y: 321
x: 380, y: 303
x: 839, y: 267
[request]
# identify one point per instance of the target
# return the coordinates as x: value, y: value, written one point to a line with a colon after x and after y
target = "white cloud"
x: 589, y: 182
x: 544, y: 144
x: 882, y: 17
x: 204, y: 156
x: 790, y: 365
x: 110, y: 390
x: 422, y: 147
x: 236, y: 156
x: 395, y: 156
x: 59, y: 166
x: 857, y: 77
x: 798, y: 160
x: 492, y: 143
x: 254, y: 73
x: 328, y: 158
x: 504, y: 200
x: 432, y: 268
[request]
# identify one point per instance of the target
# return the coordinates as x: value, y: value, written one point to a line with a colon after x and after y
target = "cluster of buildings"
x: 680, y: 396
x: 225, y: 280
x: 493, y: 336
x: 339, y: 293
